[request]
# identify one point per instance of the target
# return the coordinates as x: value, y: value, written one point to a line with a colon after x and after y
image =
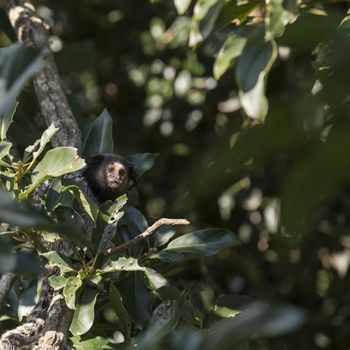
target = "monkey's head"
x: 108, y: 175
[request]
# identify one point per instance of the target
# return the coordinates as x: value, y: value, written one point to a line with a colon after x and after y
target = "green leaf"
x: 55, y: 259
x: 231, y: 305
x: 230, y: 51
x: 204, y: 242
x: 58, y: 282
x: 84, y: 314
x: 252, y: 70
x: 136, y: 298
x: 277, y: 18
x: 56, y: 162
x: 135, y: 220
x: 163, y: 235
x: 110, y: 230
x: 18, y: 63
x: 5, y: 147
x: 164, y: 319
x: 79, y: 195
x: 236, y: 11
x: 142, y: 162
x: 28, y: 299
x: 169, y: 257
x: 122, y: 264
x: 70, y: 290
x: 6, y: 120
x: 182, y: 6
x: 204, y: 16
x: 91, y: 344
x: 123, y: 318
x: 34, y: 150
x: 155, y: 279
x: 256, y: 319
x: 71, y: 226
x: 21, y: 214
x: 100, y: 139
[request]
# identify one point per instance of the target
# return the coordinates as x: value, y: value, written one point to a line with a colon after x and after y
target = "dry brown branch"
x: 32, y: 30
x: 148, y: 232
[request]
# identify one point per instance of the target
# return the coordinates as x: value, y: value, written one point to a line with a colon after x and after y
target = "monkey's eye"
x: 122, y: 172
x: 110, y: 168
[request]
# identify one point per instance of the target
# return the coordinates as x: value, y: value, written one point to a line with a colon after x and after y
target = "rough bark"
x: 6, y: 282
x: 47, y: 327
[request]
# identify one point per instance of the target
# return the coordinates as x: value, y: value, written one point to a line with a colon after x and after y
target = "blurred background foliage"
x: 274, y: 173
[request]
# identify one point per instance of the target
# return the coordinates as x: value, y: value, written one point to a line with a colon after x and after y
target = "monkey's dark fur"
x: 108, y: 176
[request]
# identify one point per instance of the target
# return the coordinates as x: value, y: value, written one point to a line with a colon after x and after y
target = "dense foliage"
x: 246, y: 104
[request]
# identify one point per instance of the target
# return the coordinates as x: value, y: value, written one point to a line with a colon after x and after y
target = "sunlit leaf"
x: 79, y: 195
x: 252, y: 69
x: 5, y: 147
x: 155, y: 279
x: 58, y: 282
x: 110, y: 229
x: 204, y: 16
x: 56, y: 162
x: 55, y: 259
x: 91, y: 344
x: 37, y: 148
x: 70, y: 290
x: 277, y: 18
x: 228, y: 54
x: 84, y: 314
x: 6, y: 120
x: 228, y: 306
x: 182, y: 6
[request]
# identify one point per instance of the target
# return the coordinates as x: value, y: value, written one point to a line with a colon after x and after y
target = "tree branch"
x: 6, y: 282
x: 32, y: 30
x: 46, y: 328
x: 148, y: 232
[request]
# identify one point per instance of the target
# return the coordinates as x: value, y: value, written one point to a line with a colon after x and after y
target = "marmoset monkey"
x: 107, y: 176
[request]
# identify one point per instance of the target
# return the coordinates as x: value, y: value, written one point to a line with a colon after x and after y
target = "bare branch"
x: 32, y: 30
x: 6, y: 282
x: 150, y: 230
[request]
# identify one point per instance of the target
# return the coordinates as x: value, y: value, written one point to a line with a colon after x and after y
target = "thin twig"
x: 148, y: 232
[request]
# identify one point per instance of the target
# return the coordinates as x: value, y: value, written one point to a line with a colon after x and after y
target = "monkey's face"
x: 117, y: 176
